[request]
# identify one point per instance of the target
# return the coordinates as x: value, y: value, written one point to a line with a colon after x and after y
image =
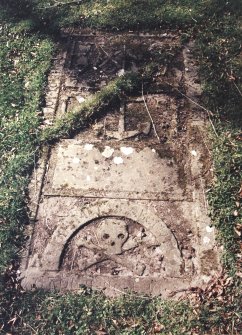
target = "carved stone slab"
x: 115, y: 208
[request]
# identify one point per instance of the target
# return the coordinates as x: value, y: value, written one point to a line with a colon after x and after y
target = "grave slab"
x: 122, y: 205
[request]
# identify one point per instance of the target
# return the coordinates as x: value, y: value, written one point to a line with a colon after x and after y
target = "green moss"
x: 78, y: 118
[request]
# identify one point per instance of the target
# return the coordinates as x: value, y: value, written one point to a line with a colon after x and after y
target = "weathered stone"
x: 81, y: 169
x: 117, y: 209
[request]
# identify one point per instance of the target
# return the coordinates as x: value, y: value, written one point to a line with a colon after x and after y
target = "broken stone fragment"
x: 80, y: 99
x: 108, y: 152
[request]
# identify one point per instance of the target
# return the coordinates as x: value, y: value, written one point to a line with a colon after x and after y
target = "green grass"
x: 112, y: 14
x: 88, y: 313
x: 25, y: 58
x: 224, y: 199
x: 85, y: 313
x: 219, y: 54
x: 121, y: 14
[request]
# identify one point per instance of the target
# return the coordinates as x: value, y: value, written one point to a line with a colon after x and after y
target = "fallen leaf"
x: 158, y: 328
x: 238, y: 231
x: 239, y: 137
x: 194, y: 153
x: 240, y: 192
x: 239, y: 274
x: 80, y: 99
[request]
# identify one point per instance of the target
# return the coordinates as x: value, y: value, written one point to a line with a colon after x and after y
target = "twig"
x: 46, y: 219
x: 104, y: 127
x: 127, y: 293
x: 35, y: 177
x: 73, y: 259
x: 96, y: 239
x: 210, y: 120
x: 203, y: 174
x: 197, y: 104
x: 124, y: 59
x: 204, y: 196
x: 28, y: 325
x: 109, y: 57
x: 149, y: 113
x: 193, y: 101
x: 46, y: 223
x: 210, y: 154
x: 237, y: 89
x: 104, y: 51
x: 173, y: 293
x: 232, y: 327
x: 58, y: 4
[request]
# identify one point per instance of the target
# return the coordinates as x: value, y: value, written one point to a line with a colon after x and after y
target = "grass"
x: 118, y: 14
x: 224, y: 196
x: 85, y: 313
x: 113, y: 15
x: 25, y: 56
x: 25, y: 59
x: 219, y: 53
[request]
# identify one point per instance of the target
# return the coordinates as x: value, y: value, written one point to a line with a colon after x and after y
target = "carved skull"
x: 112, y: 234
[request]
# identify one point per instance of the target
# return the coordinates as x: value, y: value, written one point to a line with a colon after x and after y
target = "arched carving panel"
x: 99, y: 219
x: 117, y: 246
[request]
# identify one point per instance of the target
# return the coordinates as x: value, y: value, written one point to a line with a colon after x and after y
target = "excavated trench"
x: 122, y: 205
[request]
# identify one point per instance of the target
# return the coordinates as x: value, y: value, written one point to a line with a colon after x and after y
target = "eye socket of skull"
x: 112, y: 234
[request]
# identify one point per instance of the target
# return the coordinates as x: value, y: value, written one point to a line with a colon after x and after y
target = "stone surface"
x: 113, y: 170
x: 117, y: 208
